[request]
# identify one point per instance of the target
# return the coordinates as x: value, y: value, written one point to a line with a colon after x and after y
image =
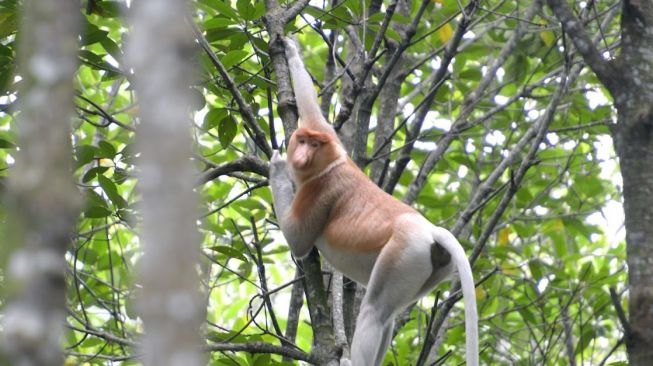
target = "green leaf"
x: 223, y: 8
x: 120, y: 175
x: 227, y: 130
x: 89, y: 256
x: 7, y: 23
x: 262, y: 359
x: 93, y: 172
x: 213, y: 117
x: 233, y: 57
x: 97, y: 212
x: 85, y: 154
x: 218, y: 22
x: 473, y: 74
x: 229, y: 252
x: 106, y: 150
x: 93, y: 34
x: 6, y: 73
x: 90, y: 56
x: 112, y: 48
x: 245, y: 9
x: 259, y: 9
x: 94, y: 199
x: 111, y: 190
x: 588, y: 335
x: 537, y: 269
x: 6, y: 144
x: 112, y: 9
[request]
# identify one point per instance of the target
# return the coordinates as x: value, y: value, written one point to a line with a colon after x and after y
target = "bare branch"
x: 337, y: 311
x: 263, y: 347
x: 350, y: 99
x: 294, y: 10
x: 621, y: 314
x: 461, y: 120
x: 605, y: 71
x: 245, y: 109
x: 247, y: 163
x: 411, y: 136
x: 295, y: 306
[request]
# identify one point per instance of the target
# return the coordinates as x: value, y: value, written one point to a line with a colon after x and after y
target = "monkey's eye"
x: 315, y: 144
x: 301, y: 140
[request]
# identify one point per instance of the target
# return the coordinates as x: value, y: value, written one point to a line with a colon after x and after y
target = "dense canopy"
x: 486, y: 117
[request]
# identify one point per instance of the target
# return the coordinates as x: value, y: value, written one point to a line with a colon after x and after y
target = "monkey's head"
x: 311, y: 151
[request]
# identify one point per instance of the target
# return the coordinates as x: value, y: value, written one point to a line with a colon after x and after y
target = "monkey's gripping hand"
x: 281, y: 184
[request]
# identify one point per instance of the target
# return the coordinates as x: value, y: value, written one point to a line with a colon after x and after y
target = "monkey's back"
x: 362, y: 216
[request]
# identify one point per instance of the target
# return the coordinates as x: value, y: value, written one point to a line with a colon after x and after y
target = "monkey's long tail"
x: 451, y: 244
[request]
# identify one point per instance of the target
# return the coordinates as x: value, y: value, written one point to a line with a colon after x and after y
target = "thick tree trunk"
x: 171, y: 305
x: 41, y: 198
x: 629, y: 79
x: 633, y: 138
x: 634, y: 145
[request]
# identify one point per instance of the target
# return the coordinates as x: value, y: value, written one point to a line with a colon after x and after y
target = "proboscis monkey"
x: 365, y: 233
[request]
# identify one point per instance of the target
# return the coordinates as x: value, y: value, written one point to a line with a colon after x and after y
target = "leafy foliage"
x: 550, y: 258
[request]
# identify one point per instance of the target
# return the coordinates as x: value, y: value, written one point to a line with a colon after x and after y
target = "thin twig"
x: 249, y: 118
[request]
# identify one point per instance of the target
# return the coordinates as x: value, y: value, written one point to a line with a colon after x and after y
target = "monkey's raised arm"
x: 305, y: 95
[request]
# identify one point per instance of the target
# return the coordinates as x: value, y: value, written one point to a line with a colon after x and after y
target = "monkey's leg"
x: 398, y: 275
x: 386, y: 340
x: 370, y: 325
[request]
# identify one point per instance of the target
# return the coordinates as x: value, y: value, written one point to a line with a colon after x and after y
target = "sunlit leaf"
x: 445, y: 33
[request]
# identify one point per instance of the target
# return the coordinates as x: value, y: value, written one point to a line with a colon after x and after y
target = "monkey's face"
x: 309, y: 152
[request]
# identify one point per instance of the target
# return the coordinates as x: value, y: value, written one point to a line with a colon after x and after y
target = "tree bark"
x: 634, y: 145
x: 629, y: 79
x: 171, y: 306
x: 633, y: 139
x: 42, y: 200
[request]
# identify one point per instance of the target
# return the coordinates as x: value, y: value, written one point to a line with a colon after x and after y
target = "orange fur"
x: 362, y: 216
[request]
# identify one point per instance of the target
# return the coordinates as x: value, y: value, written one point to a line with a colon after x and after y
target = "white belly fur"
x: 354, y: 265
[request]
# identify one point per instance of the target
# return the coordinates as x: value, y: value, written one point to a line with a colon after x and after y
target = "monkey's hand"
x: 281, y: 184
x: 278, y: 166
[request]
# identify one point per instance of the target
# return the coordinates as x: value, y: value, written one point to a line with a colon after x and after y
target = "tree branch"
x: 462, y: 120
x: 294, y: 10
x: 605, y: 71
x: 249, y: 118
x: 350, y: 99
x: 246, y: 163
x: 411, y: 136
x: 263, y: 347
